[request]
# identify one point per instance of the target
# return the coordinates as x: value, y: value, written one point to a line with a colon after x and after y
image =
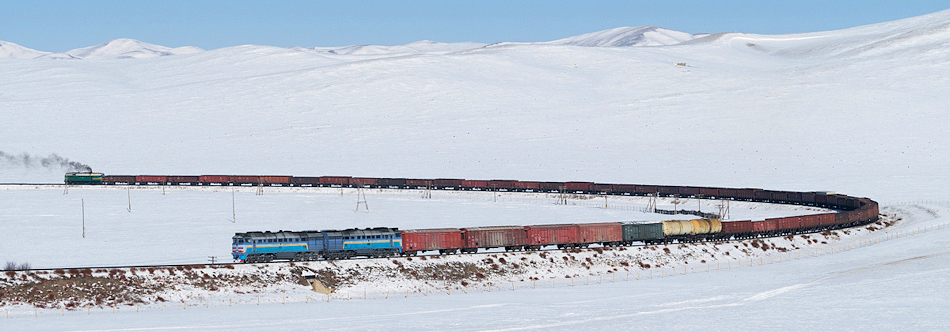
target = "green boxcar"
x: 642, y: 232
x: 83, y: 178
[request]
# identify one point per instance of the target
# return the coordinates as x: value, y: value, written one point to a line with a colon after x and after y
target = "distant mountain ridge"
x: 627, y: 37
x: 124, y: 48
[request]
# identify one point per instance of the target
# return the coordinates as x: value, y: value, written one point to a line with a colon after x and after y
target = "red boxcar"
x: 578, y: 186
x: 331, y: 181
x: 607, y: 233
x: 364, y: 182
x: 151, y: 179
x: 826, y: 219
x: 445, y: 240
x: 118, y: 179
x: 509, y: 237
x: 528, y: 185
x: 788, y: 223
x: 213, y: 179
x: 475, y: 184
x: 760, y: 226
x: 811, y: 221
x: 275, y: 179
x: 546, y: 235
x: 737, y: 227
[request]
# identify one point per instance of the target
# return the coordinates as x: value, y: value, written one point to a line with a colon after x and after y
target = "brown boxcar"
x: 759, y: 226
x: 330, y: 181
x: 646, y: 190
x: 779, y: 196
x: 213, y: 179
x: 392, y: 182
x: 118, y: 179
x: 275, y: 179
x: 602, y: 188
x: 528, y: 185
x: 182, y: 179
x: 746, y: 194
x: 151, y: 179
x: 447, y: 183
x: 808, y: 198
x: 509, y: 237
x: 626, y: 189
x: 445, y: 240
x: 794, y: 197
x: 709, y: 192
x: 475, y: 184
x: 762, y: 195
x: 418, y: 183
x: 551, y: 186
x: 728, y: 193
x: 305, y: 181
x: 364, y: 182
x: 667, y: 190
x: 607, y: 233
x: 577, y: 186
x: 244, y: 179
x: 737, y: 227
x: 546, y: 235
x: 688, y: 191
x: 503, y: 185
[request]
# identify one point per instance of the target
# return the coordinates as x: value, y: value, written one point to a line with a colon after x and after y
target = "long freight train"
x: 383, y: 242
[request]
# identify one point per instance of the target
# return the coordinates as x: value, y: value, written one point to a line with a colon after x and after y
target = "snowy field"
x: 859, y: 111
x: 186, y: 225
x: 892, y: 279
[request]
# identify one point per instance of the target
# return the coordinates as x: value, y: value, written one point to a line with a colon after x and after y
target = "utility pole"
x: 233, y: 211
x: 361, y: 199
x: 212, y: 258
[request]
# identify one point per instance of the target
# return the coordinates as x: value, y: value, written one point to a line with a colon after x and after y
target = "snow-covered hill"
x: 10, y: 50
x: 860, y: 111
x: 627, y: 36
x: 127, y: 48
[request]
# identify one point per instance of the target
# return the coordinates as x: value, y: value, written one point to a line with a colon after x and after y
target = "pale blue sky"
x: 58, y: 26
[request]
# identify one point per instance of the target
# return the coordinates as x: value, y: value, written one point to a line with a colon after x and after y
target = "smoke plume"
x: 53, y: 161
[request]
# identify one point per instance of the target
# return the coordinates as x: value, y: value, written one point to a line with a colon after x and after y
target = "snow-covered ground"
x: 860, y: 111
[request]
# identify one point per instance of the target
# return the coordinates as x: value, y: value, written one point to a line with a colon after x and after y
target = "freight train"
x: 385, y: 242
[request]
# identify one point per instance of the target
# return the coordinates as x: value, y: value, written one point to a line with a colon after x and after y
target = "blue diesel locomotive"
x: 261, y: 247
